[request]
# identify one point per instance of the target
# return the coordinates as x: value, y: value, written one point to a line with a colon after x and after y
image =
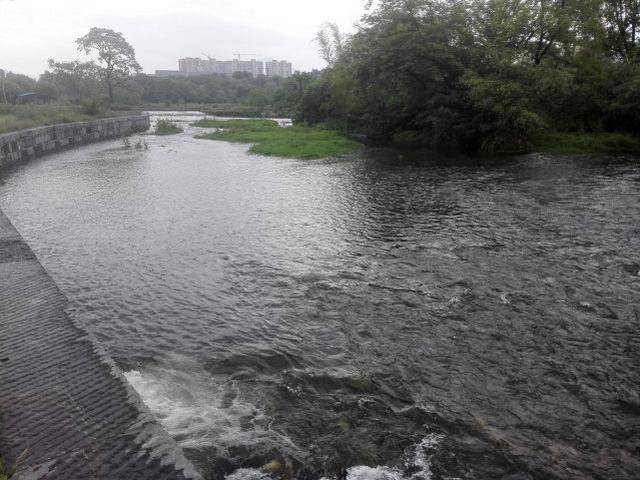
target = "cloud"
x: 31, y: 31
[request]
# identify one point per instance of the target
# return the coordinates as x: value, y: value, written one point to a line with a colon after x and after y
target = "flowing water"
x: 374, y: 317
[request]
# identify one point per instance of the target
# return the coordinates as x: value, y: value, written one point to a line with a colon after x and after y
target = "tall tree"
x: 622, y: 19
x: 116, y: 59
x: 330, y: 42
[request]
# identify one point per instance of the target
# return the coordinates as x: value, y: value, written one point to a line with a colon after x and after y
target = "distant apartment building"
x: 191, y: 66
x: 194, y: 66
x: 275, y: 68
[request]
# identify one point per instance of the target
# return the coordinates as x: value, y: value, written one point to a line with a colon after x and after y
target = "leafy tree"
x: 622, y: 23
x: 73, y: 80
x: 257, y: 98
x: 330, y: 42
x: 115, y: 60
x: 288, y: 97
x: 488, y: 75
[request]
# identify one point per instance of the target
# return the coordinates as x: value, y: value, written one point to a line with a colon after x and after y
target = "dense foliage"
x: 269, y: 93
x: 489, y: 75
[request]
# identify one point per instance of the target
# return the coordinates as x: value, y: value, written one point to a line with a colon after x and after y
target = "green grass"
x: 4, y: 473
x: 164, y: 127
x: 19, y: 117
x: 585, y: 143
x: 292, y: 142
x: 257, y: 124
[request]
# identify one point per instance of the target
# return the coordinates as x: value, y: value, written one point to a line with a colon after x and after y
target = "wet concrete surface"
x: 66, y: 410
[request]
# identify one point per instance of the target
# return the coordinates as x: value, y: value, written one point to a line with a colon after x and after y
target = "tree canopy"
x: 115, y: 59
x: 486, y: 75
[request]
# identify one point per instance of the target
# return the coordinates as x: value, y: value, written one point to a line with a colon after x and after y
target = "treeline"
x: 69, y: 82
x: 481, y: 75
x: 270, y: 93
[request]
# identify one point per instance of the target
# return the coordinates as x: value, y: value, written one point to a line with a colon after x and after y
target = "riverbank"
x: 587, y: 143
x: 24, y: 144
x: 300, y: 142
x: 20, y: 117
x: 557, y: 143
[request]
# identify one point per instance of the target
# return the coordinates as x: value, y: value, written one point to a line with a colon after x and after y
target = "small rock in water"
x: 274, y: 466
x: 632, y: 268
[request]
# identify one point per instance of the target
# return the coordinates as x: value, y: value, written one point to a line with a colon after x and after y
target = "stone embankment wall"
x: 16, y: 147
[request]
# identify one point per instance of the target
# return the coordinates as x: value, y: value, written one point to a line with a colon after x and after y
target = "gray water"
x: 381, y: 316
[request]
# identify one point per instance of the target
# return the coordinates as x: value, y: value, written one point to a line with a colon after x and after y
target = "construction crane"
x: 207, y: 55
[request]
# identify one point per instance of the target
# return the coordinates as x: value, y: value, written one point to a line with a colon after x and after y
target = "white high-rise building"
x: 197, y: 66
x: 277, y: 68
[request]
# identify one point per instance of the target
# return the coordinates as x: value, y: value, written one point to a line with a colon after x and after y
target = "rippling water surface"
x: 374, y: 317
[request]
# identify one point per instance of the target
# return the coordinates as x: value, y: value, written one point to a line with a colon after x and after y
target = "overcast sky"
x: 161, y: 31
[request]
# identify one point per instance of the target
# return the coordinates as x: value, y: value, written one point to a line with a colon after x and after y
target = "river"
x: 381, y: 316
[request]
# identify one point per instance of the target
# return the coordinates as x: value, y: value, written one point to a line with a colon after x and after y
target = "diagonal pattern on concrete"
x: 64, y: 403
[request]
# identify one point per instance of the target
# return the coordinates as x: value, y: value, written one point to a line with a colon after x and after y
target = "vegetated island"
x: 300, y: 142
x: 165, y: 127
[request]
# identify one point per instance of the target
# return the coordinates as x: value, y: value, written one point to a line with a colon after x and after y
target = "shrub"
x: 93, y: 107
x: 165, y: 127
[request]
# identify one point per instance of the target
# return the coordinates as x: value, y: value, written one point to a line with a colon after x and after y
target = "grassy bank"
x: 19, y: 117
x: 585, y: 143
x: 270, y: 139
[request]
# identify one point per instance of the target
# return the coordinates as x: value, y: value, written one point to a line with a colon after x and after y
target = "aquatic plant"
x: 141, y: 144
x: 165, y: 127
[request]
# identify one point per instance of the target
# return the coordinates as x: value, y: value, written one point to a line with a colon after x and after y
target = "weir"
x: 66, y: 410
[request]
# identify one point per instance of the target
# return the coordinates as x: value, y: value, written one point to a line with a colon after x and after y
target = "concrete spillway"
x: 67, y: 411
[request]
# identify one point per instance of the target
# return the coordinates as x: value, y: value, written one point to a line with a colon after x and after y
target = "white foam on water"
x: 362, y: 472
x: 420, y: 460
x: 419, y: 457
x: 202, y: 410
x: 199, y: 409
x: 247, y: 474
